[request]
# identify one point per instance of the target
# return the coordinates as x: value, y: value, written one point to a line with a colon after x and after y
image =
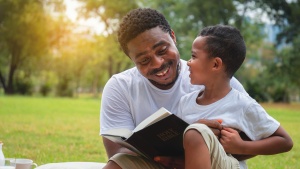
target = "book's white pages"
x: 158, y: 115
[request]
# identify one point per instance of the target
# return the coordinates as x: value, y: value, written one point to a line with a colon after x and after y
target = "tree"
x: 24, y: 37
x: 110, y: 13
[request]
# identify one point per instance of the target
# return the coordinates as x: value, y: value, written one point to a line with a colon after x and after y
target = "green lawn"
x: 51, y: 129
x: 62, y: 129
x: 289, y: 117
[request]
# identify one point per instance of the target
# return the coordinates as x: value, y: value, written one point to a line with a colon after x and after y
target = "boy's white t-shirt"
x: 236, y: 109
x: 128, y: 98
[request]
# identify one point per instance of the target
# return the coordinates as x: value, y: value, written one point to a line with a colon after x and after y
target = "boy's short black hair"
x: 138, y: 21
x: 227, y: 43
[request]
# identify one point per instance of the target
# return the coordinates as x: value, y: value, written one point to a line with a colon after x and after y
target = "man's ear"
x: 173, y: 36
x: 218, y: 63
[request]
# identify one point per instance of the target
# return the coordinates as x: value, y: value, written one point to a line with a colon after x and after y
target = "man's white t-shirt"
x: 236, y: 109
x: 128, y: 98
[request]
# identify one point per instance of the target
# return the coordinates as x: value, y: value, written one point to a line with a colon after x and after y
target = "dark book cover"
x: 163, y: 138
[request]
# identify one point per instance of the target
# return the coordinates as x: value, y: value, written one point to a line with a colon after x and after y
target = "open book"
x: 161, y: 134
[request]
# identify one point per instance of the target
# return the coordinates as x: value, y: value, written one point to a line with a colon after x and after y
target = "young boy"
x: 217, y: 53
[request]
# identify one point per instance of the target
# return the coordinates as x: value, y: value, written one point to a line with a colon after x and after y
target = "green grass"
x: 63, y: 129
x: 289, y: 117
x: 51, y: 129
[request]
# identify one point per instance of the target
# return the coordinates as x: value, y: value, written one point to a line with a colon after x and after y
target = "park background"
x: 56, y: 56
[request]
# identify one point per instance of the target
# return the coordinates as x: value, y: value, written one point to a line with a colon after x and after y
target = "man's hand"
x: 170, y: 162
x: 114, y: 148
x: 214, y: 125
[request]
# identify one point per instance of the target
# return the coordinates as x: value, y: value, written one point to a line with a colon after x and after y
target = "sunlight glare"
x: 92, y: 24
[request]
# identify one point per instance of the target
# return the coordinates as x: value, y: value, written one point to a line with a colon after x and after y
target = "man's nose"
x: 157, y: 61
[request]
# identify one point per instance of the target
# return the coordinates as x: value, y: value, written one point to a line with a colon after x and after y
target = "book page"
x: 158, y: 115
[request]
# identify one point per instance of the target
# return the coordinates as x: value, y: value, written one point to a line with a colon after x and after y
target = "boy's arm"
x: 278, y: 142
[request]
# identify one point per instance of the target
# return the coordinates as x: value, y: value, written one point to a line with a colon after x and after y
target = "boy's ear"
x: 218, y: 63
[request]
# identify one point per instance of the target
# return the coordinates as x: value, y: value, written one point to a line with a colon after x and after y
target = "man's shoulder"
x: 127, y: 75
x: 128, y: 78
x: 190, y: 96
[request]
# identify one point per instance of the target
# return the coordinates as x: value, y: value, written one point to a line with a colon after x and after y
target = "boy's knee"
x: 196, y: 134
x: 192, y: 138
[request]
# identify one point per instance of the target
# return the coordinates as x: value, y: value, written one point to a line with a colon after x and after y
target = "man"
x: 159, y: 79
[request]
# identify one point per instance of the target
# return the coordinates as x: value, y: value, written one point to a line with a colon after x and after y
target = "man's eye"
x: 144, y: 61
x: 163, y: 50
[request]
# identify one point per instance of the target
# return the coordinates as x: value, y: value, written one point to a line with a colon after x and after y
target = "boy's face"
x: 156, y: 57
x: 200, y: 64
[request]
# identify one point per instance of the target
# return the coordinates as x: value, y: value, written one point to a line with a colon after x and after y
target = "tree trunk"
x: 2, y: 81
x: 10, y: 87
x: 15, y: 59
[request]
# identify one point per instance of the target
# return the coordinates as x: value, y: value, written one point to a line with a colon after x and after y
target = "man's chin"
x: 165, y: 85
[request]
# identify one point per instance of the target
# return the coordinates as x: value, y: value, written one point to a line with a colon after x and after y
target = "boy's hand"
x: 231, y: 141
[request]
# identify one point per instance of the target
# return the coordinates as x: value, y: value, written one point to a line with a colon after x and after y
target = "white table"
x: 72, y: 165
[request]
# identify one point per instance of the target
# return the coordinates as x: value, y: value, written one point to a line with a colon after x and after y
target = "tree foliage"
x: 41, y: 48
x: 24, y: 38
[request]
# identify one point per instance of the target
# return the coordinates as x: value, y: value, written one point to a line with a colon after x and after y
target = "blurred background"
x: 69, y: 47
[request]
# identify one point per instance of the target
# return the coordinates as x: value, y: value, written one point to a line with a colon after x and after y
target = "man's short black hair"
x: 227, y: 43
x: 138, y: 21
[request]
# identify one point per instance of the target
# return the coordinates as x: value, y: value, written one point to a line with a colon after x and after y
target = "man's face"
x: 156, y: 57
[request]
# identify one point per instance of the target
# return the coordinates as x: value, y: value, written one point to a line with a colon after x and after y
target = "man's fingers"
x: 220, y: 121
x: 170, y: 162
x: 217, y: 132
x: 211, y: 123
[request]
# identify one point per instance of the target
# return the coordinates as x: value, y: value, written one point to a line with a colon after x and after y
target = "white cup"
x: 7, y: 167
x: 21, y: 163
x: 7, y: 164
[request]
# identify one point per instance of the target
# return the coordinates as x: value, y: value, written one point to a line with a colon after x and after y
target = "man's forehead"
x: 147, y: 41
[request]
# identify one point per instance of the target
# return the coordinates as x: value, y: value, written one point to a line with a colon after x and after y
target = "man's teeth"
x: 163, y: 73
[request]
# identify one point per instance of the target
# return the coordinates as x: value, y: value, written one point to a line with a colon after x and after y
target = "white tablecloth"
x: 72, y: 165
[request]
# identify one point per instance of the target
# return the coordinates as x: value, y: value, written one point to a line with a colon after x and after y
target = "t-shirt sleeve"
x: 257, y: 123
x: 237, y: 85
x: 115, y: 111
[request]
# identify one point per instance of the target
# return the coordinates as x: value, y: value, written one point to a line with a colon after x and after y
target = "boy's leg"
x: 128, y: 161
x: 218, y: 157
x: 196, y: 152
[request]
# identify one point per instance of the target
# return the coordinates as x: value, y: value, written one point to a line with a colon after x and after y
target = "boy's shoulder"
x: 242, y: 98
x: 187, y: 98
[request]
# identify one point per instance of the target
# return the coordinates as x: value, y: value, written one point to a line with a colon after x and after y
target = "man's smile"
x: 163, y: 72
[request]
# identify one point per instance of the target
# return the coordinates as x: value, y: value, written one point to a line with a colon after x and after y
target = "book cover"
x: 162, y: 135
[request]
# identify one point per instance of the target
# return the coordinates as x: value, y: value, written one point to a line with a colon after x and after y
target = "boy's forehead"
x: 199, y: 42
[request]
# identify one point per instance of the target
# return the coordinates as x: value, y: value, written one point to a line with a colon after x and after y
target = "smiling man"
x: 159, y: 79
x: 156, y: 57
